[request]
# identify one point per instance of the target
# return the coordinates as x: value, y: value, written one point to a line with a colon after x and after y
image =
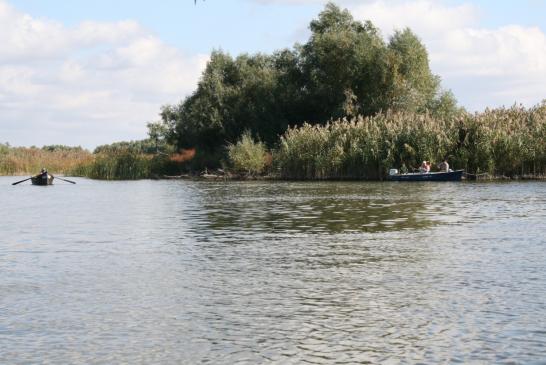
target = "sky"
x: 92, y: 72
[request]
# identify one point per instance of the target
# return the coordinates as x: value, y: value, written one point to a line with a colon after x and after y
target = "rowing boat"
x: 426, y: 176
x: 42, y: 179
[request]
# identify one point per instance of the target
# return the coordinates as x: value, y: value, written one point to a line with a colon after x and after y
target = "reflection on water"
x: 191, y: 272
x: 314, y: 208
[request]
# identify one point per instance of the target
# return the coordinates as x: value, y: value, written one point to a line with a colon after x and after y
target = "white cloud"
x: 95, y: 83
x: 423, y: 16
x: 23, y: 37
x: 483, y: 66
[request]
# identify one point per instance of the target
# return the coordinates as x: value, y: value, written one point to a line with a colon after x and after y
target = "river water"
x: 178, y: 272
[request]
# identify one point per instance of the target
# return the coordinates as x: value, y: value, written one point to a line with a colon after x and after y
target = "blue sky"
x: 237, y: 26
x: 243, y: 25
x: 94, y: 72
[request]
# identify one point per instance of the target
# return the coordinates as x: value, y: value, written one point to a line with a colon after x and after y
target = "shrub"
x: 247, y: 156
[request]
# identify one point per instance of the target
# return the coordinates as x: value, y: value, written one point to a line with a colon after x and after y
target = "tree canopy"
x: 345, y: 69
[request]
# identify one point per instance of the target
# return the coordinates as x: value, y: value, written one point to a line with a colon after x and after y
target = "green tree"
x: 412, y: 84
x: 341, y: 58
x: 345, y: 69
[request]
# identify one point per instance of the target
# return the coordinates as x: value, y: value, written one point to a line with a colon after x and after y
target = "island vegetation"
x: 347, y: 104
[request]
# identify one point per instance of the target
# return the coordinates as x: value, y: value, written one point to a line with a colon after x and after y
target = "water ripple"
x: 259, y: 272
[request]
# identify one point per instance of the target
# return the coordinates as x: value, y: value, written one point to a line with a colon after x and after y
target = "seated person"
x: 42, y: 174
x: 443, y: 166
x: 425, y: 167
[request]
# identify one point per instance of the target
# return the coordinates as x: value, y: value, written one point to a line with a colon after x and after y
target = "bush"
x: 247, y: 156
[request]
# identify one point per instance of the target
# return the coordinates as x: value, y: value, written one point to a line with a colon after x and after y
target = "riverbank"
x: 496, y: 144
x: 237, y: 177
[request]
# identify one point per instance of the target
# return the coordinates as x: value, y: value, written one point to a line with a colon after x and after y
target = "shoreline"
x: 237, y: 177
x: 233, y: 177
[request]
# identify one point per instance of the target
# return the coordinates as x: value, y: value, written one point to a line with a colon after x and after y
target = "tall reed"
x: 122, y: 164
x: 508, y: 142
x: 28, y: 161
x: 503, y: 141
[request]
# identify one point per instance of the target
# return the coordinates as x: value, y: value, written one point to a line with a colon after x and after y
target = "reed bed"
x: 29, y: 161
x: 506, y: 142
x: 118, y: 165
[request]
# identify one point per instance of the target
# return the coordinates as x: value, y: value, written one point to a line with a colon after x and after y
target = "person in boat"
x: 425, y: 167
x: 443, y: 166
x: 43, y: 173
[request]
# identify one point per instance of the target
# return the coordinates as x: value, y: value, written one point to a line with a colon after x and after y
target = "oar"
x: 72, y: 182
x: 18, y: 182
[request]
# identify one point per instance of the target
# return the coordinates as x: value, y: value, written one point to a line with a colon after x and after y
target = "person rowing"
x: 43, y: 174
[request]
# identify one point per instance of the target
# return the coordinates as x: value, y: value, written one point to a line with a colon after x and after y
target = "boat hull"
x: 430, y: 176
x: 42, y: 180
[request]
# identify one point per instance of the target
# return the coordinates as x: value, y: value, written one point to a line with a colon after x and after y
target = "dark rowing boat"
x: 42, y: 179
x: 426, y: 176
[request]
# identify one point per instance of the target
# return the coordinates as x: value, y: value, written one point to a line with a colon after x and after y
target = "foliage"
x: 344, y: 69
x: 146, y: 146
x: 62, y: 148
x: 248, y: 156
x: 4, y: 148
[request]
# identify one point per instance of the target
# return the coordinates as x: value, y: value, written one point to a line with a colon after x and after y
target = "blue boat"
x: 426, y: 176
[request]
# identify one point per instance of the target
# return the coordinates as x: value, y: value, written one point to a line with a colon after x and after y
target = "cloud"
x: 24, y: 37
x: 423, y: 16
x: 91, y: 84
x: 484, y: 66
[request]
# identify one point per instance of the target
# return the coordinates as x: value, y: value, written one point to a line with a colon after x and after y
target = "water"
x: 257, y: 272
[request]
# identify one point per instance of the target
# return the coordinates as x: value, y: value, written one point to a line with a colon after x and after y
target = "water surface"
x: 259, y: 272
